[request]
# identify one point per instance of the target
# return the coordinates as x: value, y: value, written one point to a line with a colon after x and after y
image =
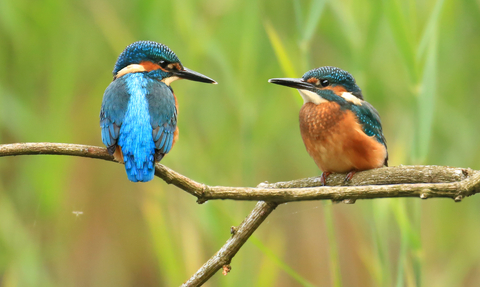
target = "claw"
x: 349, y: 176
x: 323, y: 177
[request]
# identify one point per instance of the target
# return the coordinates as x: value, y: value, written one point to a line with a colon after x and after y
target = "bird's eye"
x: 324, y: 82
x: 164, y: 64
x: 169, y: 66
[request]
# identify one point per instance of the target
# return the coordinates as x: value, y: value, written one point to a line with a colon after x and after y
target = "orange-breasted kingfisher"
x: 139, y: 109
x: 341, y: 131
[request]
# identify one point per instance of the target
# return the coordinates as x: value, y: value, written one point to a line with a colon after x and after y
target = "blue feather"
x: 157, y: 133
x: 136, y: 132
x: 114, y: 107
x: 163, y: 114
x: 370, y: 120
x: 138, y: 114
x: 161, y: 141
x: 168, y: 146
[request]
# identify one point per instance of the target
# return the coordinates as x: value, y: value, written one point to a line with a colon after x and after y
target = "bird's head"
x: 325, y: 84
x: 157, y: 60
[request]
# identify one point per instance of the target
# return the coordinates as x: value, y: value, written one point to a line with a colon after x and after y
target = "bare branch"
x: 389, y: 188
x: 402, y: 181
x: 55, y: 149
x: 227, y: 252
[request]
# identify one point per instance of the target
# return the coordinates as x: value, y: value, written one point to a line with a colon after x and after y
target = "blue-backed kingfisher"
x: 341, y: 131
x: 139, y: 109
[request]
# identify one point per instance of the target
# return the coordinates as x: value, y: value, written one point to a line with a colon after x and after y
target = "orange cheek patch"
x: 338, y: 89
x: 150, y: 66
x: 314, y: 81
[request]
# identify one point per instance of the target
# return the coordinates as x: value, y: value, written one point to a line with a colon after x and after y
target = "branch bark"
x: 240, y: 235
x: 401, y: 181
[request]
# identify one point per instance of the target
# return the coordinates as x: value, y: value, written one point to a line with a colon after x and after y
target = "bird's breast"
x: 335, y: 140
x: 319, y: 121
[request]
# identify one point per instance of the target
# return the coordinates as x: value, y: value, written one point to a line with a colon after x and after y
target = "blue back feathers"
x: 136, y: 132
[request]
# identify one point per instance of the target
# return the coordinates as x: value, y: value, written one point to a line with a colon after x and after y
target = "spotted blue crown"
x: 336, y: 76
x: 144, y: 50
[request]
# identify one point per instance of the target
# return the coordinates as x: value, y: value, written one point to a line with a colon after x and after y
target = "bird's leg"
x: 323, y: 177
x: 349, y: 176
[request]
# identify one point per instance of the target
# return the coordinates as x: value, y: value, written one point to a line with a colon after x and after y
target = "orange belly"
x: 335, y: 140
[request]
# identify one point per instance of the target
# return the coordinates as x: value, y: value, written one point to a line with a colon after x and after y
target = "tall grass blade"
x: 280, y: 263
x: 400, y: 32
x: 426, y: 101
x: 315, y: 14
x: 280, y: 51
x: 333, y: 250
x: 430, y: 29
x: 165, y: 247
x: 297, y: 8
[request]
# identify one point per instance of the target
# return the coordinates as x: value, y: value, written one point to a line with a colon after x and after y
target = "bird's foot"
x: 349, y: 176
x: 323, y: 177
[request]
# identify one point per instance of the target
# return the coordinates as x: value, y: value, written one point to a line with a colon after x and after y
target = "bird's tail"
x: 139, y: 170
x: 139, y: 161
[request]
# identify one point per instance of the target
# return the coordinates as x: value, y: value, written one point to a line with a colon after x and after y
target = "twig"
x: 240, y: 235
x: 402, y: 181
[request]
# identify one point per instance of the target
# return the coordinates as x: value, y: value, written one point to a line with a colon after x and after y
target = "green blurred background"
x: 69, y: 221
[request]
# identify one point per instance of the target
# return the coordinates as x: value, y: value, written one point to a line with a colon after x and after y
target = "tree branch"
x: 401, y: 181
x: 239, y: 236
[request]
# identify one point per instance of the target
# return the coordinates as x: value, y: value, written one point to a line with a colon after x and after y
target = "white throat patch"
x: 169, y: 80
x: 349, y: 97
x: 311, y: 97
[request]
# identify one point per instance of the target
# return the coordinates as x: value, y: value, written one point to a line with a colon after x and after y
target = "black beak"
x: 194, y: 76
x: 293, y: 83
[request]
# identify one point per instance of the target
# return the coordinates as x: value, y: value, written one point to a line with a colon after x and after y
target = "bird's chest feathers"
x: 335, y: 139
x: 320, y: 122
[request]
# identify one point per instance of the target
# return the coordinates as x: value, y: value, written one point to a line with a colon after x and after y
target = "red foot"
x: 323, y: 177
x: 350, y: 176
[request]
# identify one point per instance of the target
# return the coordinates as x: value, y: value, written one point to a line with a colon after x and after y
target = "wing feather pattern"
x: 163, y: 117
x: 112, y: 113
x: 370, y: 121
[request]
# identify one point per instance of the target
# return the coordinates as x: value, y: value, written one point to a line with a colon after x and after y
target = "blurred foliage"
x: 416, y: 61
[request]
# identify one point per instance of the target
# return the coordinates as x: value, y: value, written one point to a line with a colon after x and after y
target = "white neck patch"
x: 133, y: 68
x: 349, y: 97
x: 311, y: 97
x: 169, y: 80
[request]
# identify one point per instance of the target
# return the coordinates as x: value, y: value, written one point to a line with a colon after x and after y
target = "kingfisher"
x: 341, y: 131
x: 139, y: 110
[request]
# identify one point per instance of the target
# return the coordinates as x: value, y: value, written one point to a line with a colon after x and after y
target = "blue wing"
x: 370, y: 121
x: 112, y: 113
x: 163, y: 117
